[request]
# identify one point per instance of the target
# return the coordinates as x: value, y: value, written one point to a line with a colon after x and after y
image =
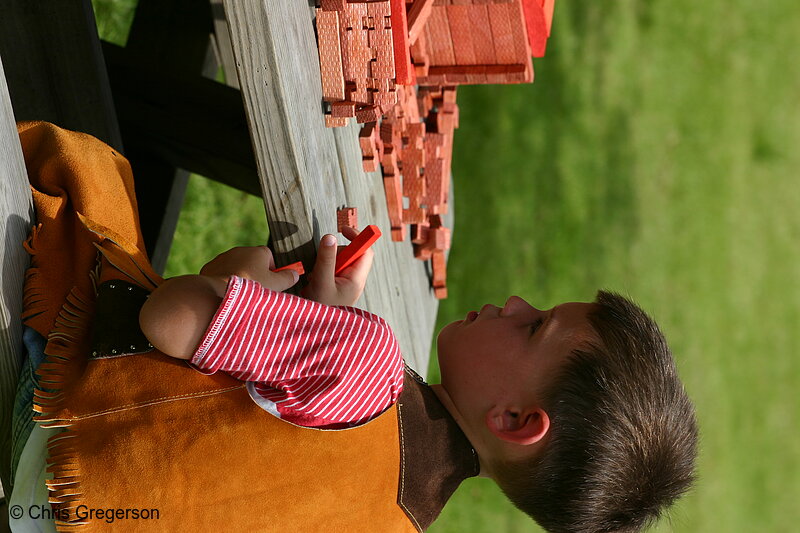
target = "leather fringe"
x: 66, y: 347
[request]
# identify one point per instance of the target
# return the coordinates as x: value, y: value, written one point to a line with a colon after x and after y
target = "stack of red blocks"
x: 372, y: 53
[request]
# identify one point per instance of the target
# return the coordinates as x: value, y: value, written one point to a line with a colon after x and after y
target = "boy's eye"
x: 536, y: 325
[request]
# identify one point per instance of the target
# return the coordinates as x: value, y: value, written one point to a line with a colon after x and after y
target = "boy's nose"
x: 515, y: 304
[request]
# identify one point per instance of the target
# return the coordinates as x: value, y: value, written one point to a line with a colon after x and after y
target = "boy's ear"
x: 518, y: 426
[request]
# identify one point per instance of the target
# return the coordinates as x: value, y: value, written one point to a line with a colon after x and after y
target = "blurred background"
x: 657, y: 155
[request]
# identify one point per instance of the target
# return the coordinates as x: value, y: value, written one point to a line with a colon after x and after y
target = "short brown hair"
x: 623, y: 435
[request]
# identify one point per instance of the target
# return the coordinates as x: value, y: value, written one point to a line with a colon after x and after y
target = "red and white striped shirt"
x: 311, y: 364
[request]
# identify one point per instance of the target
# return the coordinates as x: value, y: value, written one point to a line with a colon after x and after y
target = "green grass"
x: 114, y: 19
x: 206, y: 226
x: 655, y: 155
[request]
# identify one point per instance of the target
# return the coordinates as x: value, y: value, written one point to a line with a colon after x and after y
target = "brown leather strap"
x: 116, y: 329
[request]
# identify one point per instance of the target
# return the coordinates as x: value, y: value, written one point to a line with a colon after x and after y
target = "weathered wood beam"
x: 16, y: 218
x: 222, y: 40
x: 307, y: 170
x: 54, y: 66
x: 189, y: 121
x: 170, y: 37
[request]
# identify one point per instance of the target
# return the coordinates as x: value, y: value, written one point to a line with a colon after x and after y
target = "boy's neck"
x: 447, y: 403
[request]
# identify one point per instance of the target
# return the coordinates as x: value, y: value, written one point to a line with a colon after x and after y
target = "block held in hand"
x: 357, y: 247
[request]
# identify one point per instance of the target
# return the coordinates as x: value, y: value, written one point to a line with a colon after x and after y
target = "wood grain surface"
x: 308, y: 170
x: 16, y: 216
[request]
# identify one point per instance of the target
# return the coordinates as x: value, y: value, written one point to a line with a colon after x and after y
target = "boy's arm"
x: 178, y: 313
x: 319, y: 365
x: 316, y: 365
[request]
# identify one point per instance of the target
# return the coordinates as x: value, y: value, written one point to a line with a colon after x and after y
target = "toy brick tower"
x: 457, y: 42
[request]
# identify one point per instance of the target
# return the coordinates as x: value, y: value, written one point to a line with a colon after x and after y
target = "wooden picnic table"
x: 155, y: 102
x: 308, y: 170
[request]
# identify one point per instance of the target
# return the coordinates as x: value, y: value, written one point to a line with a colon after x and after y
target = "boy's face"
x: 506, y: 356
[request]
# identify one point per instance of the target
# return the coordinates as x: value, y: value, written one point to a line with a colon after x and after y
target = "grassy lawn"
x: 655, y: 155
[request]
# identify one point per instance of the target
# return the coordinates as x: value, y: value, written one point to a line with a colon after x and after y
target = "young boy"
x: 576, y: 412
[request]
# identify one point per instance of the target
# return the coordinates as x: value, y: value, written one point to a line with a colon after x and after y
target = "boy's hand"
x: 345, y: 289
x: 250, y: 262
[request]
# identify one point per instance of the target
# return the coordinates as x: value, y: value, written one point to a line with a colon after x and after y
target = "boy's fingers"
x: 270, y: 257
x: 359, y: 270
x: 326, y: 259
x: 287, y: 278
x: 349, y: 233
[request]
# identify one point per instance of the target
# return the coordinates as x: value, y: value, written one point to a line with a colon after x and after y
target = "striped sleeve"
x: 311, y: 364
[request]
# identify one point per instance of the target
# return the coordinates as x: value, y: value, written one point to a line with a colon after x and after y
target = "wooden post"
x: 16, y: 217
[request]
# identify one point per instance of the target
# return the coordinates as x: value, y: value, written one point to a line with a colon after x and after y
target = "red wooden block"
x: 385, y: 98
x: 380, y: 41
x: 394, y: 199
x: 434, y: 174
x: 334, y: 122
x: 461, y: 33
x: 431, y: 78
x: 416, y: 131
x: 437, y: 33
x: 419, y: 55
x: 366, y: 140
x: 346, y: 216
x: 419, y: 233
x: 548, y: 6
x: 356, y: 248
x: 333, y: 5
x: 399, y: 233
x: 502, y: 37
x: 449, y: 95
x: 354, y: 14
x: 387, y: 132
x: 297, y: 267
x: 343, y: 109
x: 457, y: 77
x: 440, y: 293
x: 404, y: 70
x: 362, y: 56
x: 424, y: 103
x: 330, y: 56
x: 368, y: 114
x: 417, y: 17
x: 438, y: 239
x: 439, y: 268
x: 522, y: 47
x: 421, y: 253
x: 536, y: 24
x: 413, y: 185
x: 482, y: 35
x: 369, y: 164
x: 378, y: 10
x: 414, y: 215
x: 389, y: 160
